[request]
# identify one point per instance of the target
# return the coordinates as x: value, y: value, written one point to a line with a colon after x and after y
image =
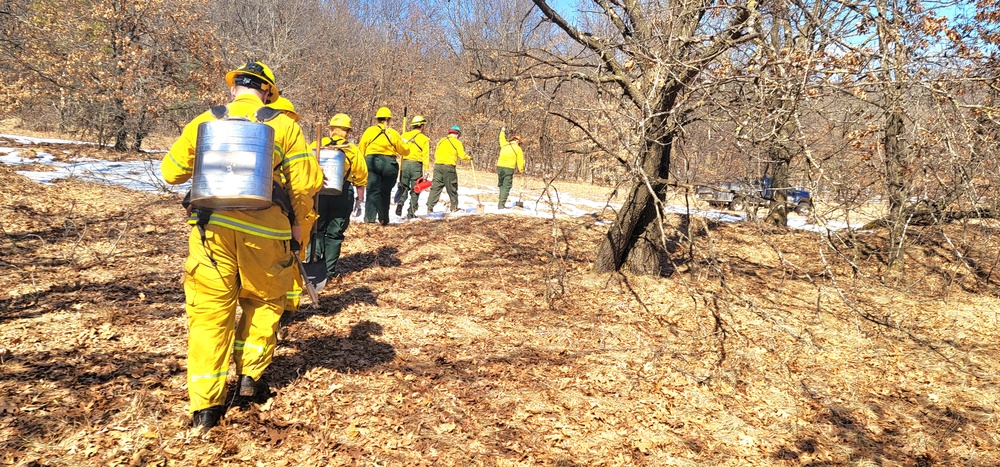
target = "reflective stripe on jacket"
x: 294, y: 168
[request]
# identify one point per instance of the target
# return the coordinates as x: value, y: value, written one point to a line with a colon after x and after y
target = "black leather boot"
x: 247, y: 386
x: 207, y: 418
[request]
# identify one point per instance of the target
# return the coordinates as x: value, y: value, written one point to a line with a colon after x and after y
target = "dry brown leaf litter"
x: 484, y: 340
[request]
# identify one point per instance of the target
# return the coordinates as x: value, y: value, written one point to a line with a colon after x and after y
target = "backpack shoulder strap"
x: 220, y: 111
x: 266, y: 114
x: 413, y: 140
x: 383, y: 133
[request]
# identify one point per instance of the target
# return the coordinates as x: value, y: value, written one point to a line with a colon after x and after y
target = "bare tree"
x: 493, y: 39
x: 913, y: 72
x: 649, y: 55
x: 111, y: 68
x: 788, y: 55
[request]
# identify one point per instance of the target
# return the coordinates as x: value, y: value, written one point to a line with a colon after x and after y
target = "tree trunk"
x: 780, y: 154
x: 647, y: 256
x: 895, y: 185
x: 780, y: 160
x: 137, y: 143
x: 140, y: 133
x: 634, y: 241
x: 121, y: 133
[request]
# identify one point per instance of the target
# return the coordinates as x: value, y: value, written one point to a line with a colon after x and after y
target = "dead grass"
x: 486, y: 340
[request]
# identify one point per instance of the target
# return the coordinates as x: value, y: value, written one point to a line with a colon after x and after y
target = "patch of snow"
x: 13, y: 157
x: 31, y: 140
x: 136, y: 175
x: 146, y: 176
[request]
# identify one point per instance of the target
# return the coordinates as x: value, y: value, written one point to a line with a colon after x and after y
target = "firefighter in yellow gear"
x: 416, y: 164
x: 241, y: 257
x: 511, y: 159
x: 294, y: 295
x: 447, y: 153
x: 335, y: 210
x: 286, y: 106
x: 380, y: 145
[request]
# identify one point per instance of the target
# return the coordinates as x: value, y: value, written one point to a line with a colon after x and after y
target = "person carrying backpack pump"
x: 415, y: 166
x: 511, y: 158
x: 335, y: 210
x: 380, y: 145
x: 294, y: 296
x: 447, y: 153
x: 240, y: 257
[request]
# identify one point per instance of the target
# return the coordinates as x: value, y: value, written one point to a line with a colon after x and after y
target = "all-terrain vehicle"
x: 737, y: 196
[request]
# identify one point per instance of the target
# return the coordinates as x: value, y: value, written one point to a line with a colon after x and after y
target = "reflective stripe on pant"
x: 294, y: 295
x: 382, y: 172
x: 445, y: 177
x: 412, y: 170
x: 505, y: 180
x: 251, y: 271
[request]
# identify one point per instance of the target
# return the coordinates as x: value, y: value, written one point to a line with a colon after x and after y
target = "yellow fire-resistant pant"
x: 251, y: 271
x: 294, y: 295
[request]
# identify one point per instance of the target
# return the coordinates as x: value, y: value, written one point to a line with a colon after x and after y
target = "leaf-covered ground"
x: 486, y: 340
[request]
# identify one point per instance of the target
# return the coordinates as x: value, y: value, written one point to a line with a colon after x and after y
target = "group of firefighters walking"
x: 247, y: 257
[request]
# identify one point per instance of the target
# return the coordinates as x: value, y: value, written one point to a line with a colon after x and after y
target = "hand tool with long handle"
x: 306, y: 283
x: 520, y: 195
x: 479, y: 205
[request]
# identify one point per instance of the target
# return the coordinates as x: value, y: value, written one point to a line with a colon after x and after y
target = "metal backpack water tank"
x: 334, y: 165
x: 233, y: 165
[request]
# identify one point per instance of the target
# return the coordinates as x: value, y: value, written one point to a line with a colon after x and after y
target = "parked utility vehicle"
x: 737, y: 196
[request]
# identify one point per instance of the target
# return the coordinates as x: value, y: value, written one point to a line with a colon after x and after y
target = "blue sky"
x: 566, y: 8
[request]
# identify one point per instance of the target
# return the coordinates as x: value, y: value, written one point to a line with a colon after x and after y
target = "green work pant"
x: 445, y: 177
x: 412, y: 170
x: 334, y: 218
x: 382, y: 172
x: 505, y: 180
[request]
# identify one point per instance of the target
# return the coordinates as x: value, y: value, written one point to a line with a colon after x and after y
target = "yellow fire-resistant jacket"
x: 449, y: 150
x: 379, y: 139
x: 357, y: 169
x: 511, y: 156
x: 420, y: 147
x: 295, y: 168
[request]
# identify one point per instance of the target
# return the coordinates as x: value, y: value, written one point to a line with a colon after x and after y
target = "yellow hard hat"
x: 245, y: 74
x: 286, y: 106
x: 418, y: 120
x: 341, y: 120
x: 383, y: 112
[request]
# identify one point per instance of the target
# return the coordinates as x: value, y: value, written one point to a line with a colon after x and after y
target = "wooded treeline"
x: 891, y: 102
